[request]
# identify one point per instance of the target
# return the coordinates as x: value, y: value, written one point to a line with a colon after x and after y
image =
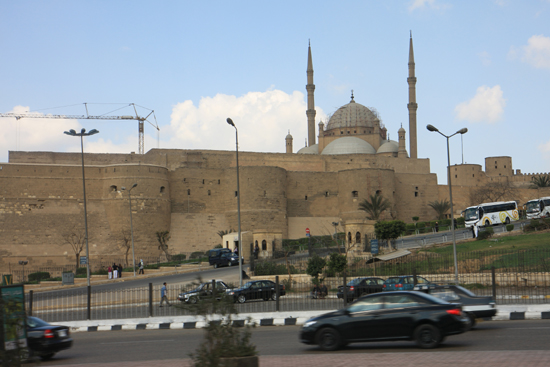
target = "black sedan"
x: 257, y: 289
x: 359, y: 287
x: 203, y: 290
x: 475, y: 307
x: 387, y: 316
x: 44, y: 340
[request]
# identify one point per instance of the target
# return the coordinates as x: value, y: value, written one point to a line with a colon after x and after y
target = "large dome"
x: 348, y: 145
x: 353, y: 115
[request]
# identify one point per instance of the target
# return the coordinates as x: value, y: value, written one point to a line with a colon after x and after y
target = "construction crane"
x: 140, y: 120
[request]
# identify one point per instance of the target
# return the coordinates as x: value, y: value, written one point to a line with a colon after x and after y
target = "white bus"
x: 491, y: 213
x: 538, y: 208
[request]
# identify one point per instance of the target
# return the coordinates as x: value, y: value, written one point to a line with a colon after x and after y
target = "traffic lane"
x: 143, y: 345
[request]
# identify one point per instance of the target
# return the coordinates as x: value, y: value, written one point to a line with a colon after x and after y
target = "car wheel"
x: 241, y: 298
x: 215, y: 265
x: 229, y: 263
x: 472, y: 318
x: 47, y: 357
x: 427, y: 336
x: 328, y: 339
x: 274, y: 296
x: 193, y: 300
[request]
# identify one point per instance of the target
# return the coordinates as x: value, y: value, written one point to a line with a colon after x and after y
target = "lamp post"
x: 82, y: 134
x: 335, y: 224
x: 240, y: 247
x: 23, y: 263
x: 461, y: 131
x: 131, y: 225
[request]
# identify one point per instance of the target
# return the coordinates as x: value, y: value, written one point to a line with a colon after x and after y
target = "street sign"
x: 374, y: 247
x: 83, y: 260
x: 307, y: 232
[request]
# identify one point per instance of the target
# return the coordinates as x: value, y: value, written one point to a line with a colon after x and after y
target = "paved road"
x: 493, y: 343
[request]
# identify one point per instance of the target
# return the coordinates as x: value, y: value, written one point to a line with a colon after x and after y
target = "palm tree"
x: 374, y: 206
x: 224, y: 232
x: 441, y: 207
x: 541, y: 181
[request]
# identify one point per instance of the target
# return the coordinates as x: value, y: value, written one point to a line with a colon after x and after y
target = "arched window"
x: 162, y: 188
x: 188, y: 192
x: 354, y: 194
x: 264, y: 245
x: 113, y: 188
x: 349, y: 237
x: 358, y: 237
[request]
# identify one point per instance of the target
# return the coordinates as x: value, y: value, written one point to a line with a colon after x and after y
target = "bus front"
x: 532, y: 209
x: 471, y: 216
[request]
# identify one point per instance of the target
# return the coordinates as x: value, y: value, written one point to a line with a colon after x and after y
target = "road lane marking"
x: 142, y: 341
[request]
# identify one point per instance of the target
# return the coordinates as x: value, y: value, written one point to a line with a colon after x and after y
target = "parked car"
x: 405, y: 283
x: 475, y: 307
x: 257, y: 289
x: 203, y: 290
x: 402, y: 315
x: 359, y: 287
x: 44, y: 340
x: 223, y: 257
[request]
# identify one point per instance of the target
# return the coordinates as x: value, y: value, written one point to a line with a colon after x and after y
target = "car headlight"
x: 231, y: 293
x: 309, y: 323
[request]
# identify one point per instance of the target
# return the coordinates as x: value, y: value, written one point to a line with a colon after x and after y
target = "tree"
x: 540, y: 181
x: 492, y: 191
x: 125, y: 243
x: 224, y: 232
x: 163, y: 237
x: 76, y: 237
x: 441, y: 207
x: 389, y: 230
x: 337, y: 263
x: 374, y: 206
x: 315, y: 266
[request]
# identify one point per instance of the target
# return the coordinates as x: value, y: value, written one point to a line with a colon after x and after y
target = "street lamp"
x: 131, y: 226
x: 230, y: 122
x: 23, y: 263
x: 461, y: 131
x: 82, y: 134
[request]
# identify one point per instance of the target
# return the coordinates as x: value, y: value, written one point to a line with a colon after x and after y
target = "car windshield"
x: 36, y: 322
x: 532, y: 206
x: 248, y: 284
x: 471, y: 214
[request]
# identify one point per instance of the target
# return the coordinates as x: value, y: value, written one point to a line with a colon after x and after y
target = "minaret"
x: 288, y: 141
x: 412, y: 106
x: 310, y: 87
x: 402, y: 151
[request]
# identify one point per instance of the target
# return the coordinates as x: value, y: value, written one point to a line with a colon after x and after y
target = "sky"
x: 480, y: 64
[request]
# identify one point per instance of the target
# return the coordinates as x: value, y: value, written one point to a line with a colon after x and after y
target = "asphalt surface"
x: 492, y: 343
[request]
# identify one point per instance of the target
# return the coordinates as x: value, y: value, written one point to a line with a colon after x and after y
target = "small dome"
x: 348, y: 145
x: 288, y: 136
x: 314, y: 149
x: 388, y: 146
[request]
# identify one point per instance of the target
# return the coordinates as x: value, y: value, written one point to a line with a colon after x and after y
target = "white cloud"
x: 537, y: 52
x: 545, y: 150
x: 485, y: 58
x: 486, y: 106
x: 262, y: 118
x: 432, y: 4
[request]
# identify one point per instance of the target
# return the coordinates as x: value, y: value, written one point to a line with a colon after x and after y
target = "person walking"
x: 323, y: 291
x: 141, y: 267
x: 115, y: 271
x: 120, y: 270
x: 110, y: 272
x: 163, y: 296
x: 256, y: 251
x: 436, y: 227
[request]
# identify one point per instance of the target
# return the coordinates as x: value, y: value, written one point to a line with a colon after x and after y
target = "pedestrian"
x: 256, y: 251
x: 436, y: 227
x: 454, y: 223
x: 141, y: 266
x: 315, y: 292
x: 236, y: 250
x: 163, y: 296
x: 120, y: 270
x: 323, y: 291
x: 110, y: 272
x: 115, y: 271
x: 474, y: 230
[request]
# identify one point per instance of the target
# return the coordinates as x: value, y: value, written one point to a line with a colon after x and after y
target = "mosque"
x: 192, y: 193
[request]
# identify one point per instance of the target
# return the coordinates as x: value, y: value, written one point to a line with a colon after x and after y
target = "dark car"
x: 215, y: 254
x: 406, y: 315
x: 405, y: 283
x: 44, y: 340
x: 203, y: 290
x: 475, y: 307
x: 359, y: 287
x: 257, y: 289
x: 223, y: 257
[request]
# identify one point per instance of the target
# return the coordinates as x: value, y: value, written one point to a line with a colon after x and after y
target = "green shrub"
x: 179, y: 257
x: 39, y: 275
x: 197, y: 255
x: 487, y: 233
x: 271, y: 268
x: 460, y: 221
x: 81, y: 271
x: 509, y: 227
x: 219, y: 246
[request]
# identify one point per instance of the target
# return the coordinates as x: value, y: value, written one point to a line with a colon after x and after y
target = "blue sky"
x: 480, y: 64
